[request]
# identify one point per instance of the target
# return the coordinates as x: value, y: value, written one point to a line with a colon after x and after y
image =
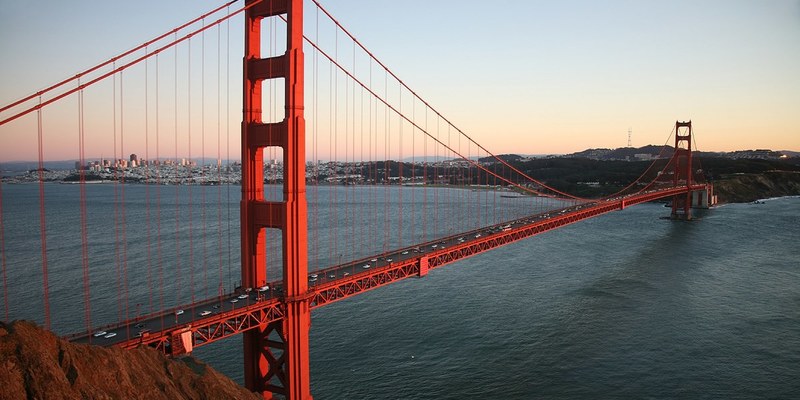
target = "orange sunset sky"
x: 525, y: 77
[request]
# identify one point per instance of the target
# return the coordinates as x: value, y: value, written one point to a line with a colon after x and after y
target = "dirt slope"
x: 35, y: 364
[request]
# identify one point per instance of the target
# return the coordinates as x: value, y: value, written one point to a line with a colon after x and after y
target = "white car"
x: 263, y: 288
x: 242, y: 296
x: 365, y: 266
x: 178, y: 312
x: 204, y: 313
x: 234, y: 300
x: 100, y: 333
x: 110, y: 335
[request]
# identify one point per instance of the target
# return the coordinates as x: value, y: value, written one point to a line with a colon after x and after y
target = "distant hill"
x: 505, y: 157
x: 622, y: 153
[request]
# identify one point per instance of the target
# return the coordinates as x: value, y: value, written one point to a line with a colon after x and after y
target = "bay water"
x: 626, y: 305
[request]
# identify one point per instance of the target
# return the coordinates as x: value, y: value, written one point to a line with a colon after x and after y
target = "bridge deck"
x: 214, y: 319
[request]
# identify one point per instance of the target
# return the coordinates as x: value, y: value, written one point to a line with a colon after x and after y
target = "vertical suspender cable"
x: 177, y: 282
x: 424, y: 181
x: 436, y: 182
x: 400, y: 166
x: 362, y: 170
x: 148, y: 221
x: 189, y: 168
x: 387, y: 170
x: 115, y: 166
x: 413, y: 175
x: 42, y: 222
x: 84, y: 231
x: 158, y: 165
x: 219, y: 160
x: 203, y: 170
x: 372, y: 164
x: 331, y: 142
x: 228, y: 135
x: 315, y: 161
x: 3, y: 255
x: 343, y: 202
x: 335, y: 155
x: 122, y: 202
x: 353, y: 238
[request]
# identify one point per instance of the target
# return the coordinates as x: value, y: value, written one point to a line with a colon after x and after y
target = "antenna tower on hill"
x: 629, y: 137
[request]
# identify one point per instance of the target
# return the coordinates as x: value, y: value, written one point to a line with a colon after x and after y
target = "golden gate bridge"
x: 308, y: 88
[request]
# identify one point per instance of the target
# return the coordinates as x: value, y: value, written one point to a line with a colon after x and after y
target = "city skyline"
x: 533, y: 78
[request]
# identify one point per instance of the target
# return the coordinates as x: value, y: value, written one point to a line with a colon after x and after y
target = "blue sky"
x: 519, y: 76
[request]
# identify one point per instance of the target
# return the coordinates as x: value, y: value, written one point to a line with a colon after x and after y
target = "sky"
x: 519, y: 76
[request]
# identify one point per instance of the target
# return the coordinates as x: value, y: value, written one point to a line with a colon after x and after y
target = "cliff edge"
x: 747, y: 187
x: 35, y: 364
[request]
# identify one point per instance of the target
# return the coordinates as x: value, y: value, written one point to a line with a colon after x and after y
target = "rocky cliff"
x: 739, y: 188
x: 35, y: 364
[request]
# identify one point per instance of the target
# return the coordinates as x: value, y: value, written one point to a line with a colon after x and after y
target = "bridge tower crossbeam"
x: 276, y: 354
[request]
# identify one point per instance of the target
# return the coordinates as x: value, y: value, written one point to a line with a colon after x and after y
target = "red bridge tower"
x: 276, y: 355
x: 682, y: 173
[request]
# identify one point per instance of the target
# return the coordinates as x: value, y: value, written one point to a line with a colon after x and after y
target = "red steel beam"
x: 373, y: 278
x: 213, y: 328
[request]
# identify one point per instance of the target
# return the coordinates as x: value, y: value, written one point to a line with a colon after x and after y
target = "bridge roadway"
x: 224, y: 316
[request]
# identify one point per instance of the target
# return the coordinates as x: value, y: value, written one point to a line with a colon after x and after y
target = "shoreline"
x: 512, y: 193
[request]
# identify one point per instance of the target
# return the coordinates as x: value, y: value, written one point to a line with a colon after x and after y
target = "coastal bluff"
x: 36, y: 364
x: 748, y: 187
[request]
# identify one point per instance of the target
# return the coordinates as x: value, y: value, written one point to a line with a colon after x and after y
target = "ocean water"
x: 626, y: 305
